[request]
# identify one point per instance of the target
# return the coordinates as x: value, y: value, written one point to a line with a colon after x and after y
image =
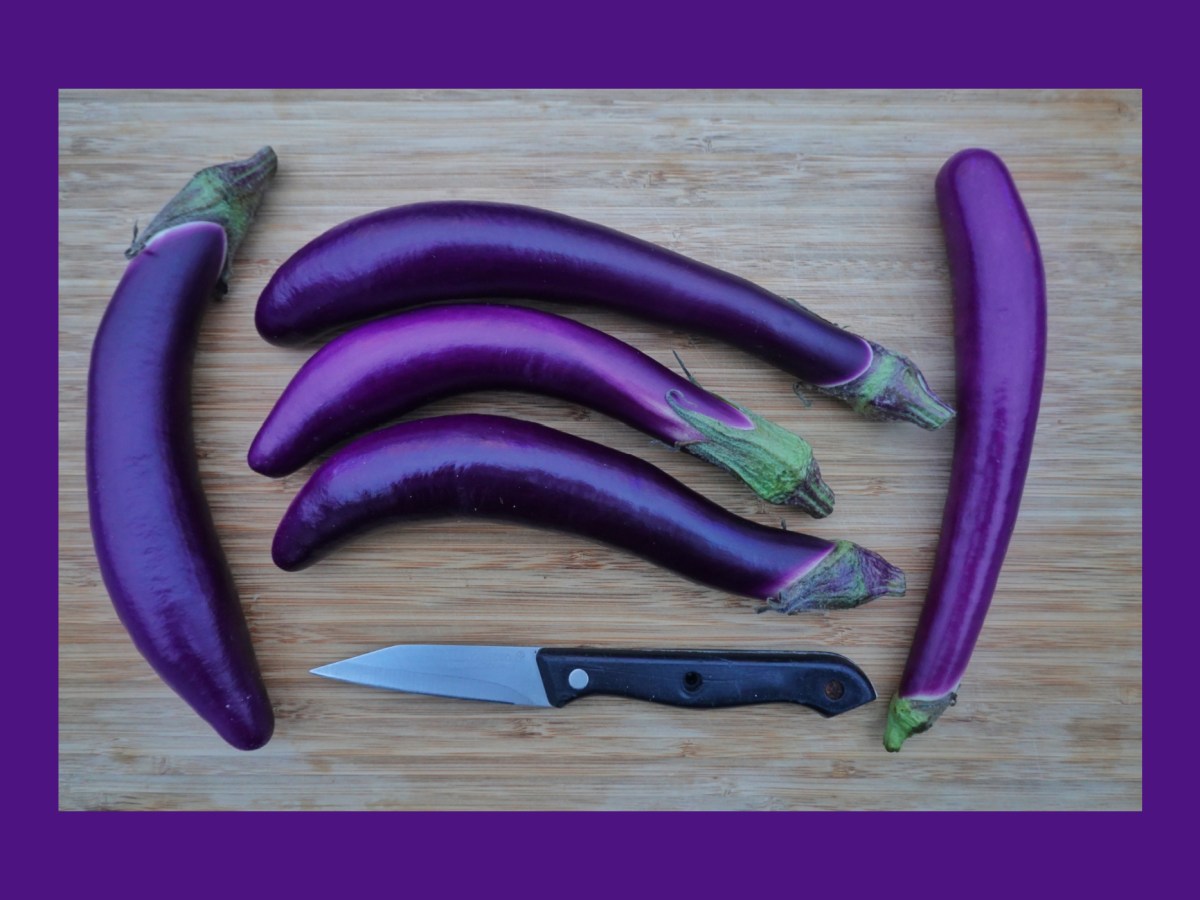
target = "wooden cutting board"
x: 826, y: 197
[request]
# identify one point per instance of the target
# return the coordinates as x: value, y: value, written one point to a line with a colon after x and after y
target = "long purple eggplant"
x: 397, y: 258
x: 491, y: 466
x: 384, y: 369
x: 1000, y: 343
x: 155, y: 541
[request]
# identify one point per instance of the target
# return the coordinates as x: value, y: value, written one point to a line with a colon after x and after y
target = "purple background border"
x: 971, y: 47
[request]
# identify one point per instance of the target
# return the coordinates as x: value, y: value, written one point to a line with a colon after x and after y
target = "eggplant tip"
x: 893, y: 389
x: 812, y: 494
x: 249, y: 728
x: 268, y: 463
x: 909, y: 716
x: 847, y: 577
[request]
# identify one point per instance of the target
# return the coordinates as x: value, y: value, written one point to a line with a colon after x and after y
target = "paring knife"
x: 543, y: 676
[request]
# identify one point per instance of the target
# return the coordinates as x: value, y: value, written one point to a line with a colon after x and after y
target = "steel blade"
x: 498, y: 674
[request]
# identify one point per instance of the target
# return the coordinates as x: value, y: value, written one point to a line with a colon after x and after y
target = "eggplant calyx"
x: 227, y: 194
x: 848, y: 576
x: 892, y: 389
x: 812, y: 494
x: 909, y: 716
x: 777, y: 464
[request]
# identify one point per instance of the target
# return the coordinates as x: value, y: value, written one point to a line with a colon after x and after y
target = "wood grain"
x: 826, y: 197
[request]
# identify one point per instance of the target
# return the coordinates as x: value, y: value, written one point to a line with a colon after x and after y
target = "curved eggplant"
x: 155, y: 542
x: 496, y: 467
x: 1000, y: 344
x: 397, y: 258
x: 384, y: 369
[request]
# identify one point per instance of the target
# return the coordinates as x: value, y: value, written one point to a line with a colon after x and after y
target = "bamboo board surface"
x: 826, y: 197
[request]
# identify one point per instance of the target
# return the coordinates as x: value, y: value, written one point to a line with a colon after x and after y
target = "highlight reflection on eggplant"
x: 381, y: 370
x: 155, y: 542
x: 496, y: 467
x: 396, y: 258
x: 1000, y: 349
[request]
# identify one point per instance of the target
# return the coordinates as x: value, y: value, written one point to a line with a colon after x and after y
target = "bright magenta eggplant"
x: 155, y: 541
x: 496, y: 467
x: 381, y: 370
x: 397, y: 258
x: 1000, y: 344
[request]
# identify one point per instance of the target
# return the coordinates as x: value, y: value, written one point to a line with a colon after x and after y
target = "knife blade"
x: 543, y: 676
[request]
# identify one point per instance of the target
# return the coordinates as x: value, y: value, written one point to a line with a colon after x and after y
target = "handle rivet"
x: 578, y: 679
x: 834, y: 690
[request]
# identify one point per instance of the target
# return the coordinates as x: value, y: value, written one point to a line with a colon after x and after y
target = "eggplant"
x: 408, y: 255
x: 496, y: 467
x: 155, y: 541
x: 1000, y: 347
x: 384, y: 369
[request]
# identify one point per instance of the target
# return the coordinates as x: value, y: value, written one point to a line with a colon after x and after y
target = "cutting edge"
x: 496, y: 674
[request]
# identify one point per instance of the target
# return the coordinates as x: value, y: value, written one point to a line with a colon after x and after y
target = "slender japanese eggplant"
x: 1000, y: 344
x: 384, y: 369
x: 408, y: 255
x: 155, y: 541
x: 496, y: 467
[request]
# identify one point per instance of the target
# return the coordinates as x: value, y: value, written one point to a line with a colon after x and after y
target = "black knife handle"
x: 827, y: 682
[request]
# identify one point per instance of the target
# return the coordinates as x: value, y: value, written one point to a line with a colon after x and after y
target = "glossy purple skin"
x: 408, y: 255
x: 496, y: 467
x: 1000, y: 348
x: 384, y: 369
x: 155, y: 541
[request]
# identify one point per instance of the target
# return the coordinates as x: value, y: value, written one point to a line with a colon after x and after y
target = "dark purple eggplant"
x: 384, y: 369
x: 408, y: 255
x: 155, y: 541
x: 495, y: 467
x: 1000, y: 344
